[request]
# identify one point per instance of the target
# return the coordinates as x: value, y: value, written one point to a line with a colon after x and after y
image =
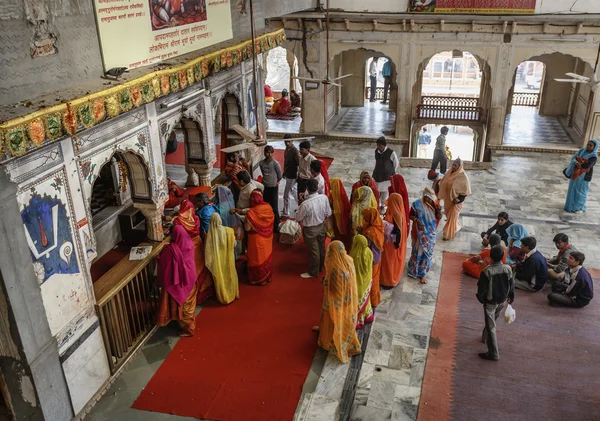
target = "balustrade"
x: 526, y: 99
x: 449, y: 108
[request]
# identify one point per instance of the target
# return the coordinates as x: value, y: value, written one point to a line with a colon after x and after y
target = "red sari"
x: 340, y: 208
x: 394, y: 259
x: 175, y: 195
x: 399, y: 186
x: 372, y: 184
x: 259, y: 222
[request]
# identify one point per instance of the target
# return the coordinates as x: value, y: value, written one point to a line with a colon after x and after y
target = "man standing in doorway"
x: 304, y: 173
x: 424, y: 142
x: 386, y: 72
x: 386, y: 164
x: 373, y: 77
x: 439, y: 153
x: 291, y: 157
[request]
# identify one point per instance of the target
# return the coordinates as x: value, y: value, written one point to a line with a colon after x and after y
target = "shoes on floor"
x: 306, y: 276
x: 485, y: 356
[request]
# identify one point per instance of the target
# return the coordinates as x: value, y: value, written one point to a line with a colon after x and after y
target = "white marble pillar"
x: 153, y: 214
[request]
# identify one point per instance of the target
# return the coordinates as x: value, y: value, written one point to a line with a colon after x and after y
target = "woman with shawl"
x: 337, y: 327
x: 397, y: 185
x: 220, y: 242
x: 175, y: 194
x: 372, y: 229
x: 177, y: 277
x: 516, y: 232
x: 425, y: 214
x: 340, y: 209
x: 225, y: 203
x: 259, y: 224
x: 394, y: 250
x: 362, y: 198
x: 454, y: 188
x: 366, y: 180
x: 191, y: 223
x: 580, y: 172
x: 363, y: 266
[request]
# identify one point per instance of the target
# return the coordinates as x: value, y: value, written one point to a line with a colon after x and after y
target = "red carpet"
x: 249, y: 360
x: 547, y: 368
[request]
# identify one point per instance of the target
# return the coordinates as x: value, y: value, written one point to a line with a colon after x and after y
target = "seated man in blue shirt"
x: 532, y: 273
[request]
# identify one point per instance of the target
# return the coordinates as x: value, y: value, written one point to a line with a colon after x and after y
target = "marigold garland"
x: 112, y: 105
x: 70, y: 119
x: 16, y: 142
x: 53, y: 126
x: 86, y: 115
x: 35, y: 130
x: 99, y: 110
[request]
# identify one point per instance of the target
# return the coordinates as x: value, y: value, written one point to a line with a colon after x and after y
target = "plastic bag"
x: 510, y: 314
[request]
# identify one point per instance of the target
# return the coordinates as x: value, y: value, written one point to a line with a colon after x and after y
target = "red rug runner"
x: 547, y: 368
x: 248, y: 360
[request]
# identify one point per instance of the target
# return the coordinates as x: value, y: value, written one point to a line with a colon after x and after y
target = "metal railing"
x: 449, y: 108
x: 526, y: 99
x: 378, y: 93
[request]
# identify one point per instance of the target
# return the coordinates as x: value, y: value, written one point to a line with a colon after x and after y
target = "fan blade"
x: 571, y: 80
x: 341, y: 77
x: 307, y: 78
x: 329, y: 82
x: 576, y: 76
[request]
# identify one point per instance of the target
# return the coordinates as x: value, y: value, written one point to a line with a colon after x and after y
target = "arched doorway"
x: 185, y: 148
x: 230, y: 112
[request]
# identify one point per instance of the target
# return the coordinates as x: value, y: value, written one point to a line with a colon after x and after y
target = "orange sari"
x: 373, y: 229
x: 474, y: 269
x: 259, y: 222
x: 394, y: 259
x: 337, y: 327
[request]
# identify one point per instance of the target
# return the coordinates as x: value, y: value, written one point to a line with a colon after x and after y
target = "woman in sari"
x: 259, y: 224
x: 362, y: 198
x: 394, y: 249
x: 175, y: 194
x: 340, y: 209
x: 580, y: 172
x: 191, y: 223
x: 372, y: 229
x: 337, y: 327
x: 225, y: 203
x: 516, y: 232
x: 177, y: 277
x: 220, y: 242
x: 397, y: 185
x: 425, y: 214
x: 454, y: 188
x: 475, y: 264
x: 363, y: 266
x: 366, y: 180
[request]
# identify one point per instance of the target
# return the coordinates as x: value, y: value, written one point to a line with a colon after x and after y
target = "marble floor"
x: 385, y: 383
x: 373, y: 119
x: 284, y: 126
x: 526, y: 127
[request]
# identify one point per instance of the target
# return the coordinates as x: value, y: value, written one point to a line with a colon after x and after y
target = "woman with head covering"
x: 259, y: 224
x: 366, y: 180
x: 225, y: 203
x: 580, y: 172
x: 220, y: 242
x: 337, y: 327
x: 177, y: 277
x: 187, y: 218
x: 397, y: 185
x: 340, y: 209
x: 282, y: 105
x: 205, y: 210
x: 363, y: 265
x: 516, y: 232
x: 475, y: 264
x: 454, y: 188
x: 425, y: 214
x: 175, y: 194
x: 394, y: 250
x: 362, y: 198
x: 372, y: 229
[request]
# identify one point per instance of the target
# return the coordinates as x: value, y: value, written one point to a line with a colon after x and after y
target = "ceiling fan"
x: 592, y: 83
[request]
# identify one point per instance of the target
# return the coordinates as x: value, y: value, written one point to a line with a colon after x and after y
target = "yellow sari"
x: 363, y: 264
x: 220, y: 260
x: 362, y: 198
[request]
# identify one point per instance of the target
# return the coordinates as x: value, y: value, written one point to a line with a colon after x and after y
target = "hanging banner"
x: 496, y: 7
x: 135, y: 33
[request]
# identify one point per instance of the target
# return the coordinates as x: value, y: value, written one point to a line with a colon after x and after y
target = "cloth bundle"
x: 289, y: 232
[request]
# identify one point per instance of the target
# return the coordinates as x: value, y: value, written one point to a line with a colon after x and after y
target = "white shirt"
x: 304, y: 167
x: 373, y: 69
x: 321, y: 187
x: 245, y: 192
x: 314, y: 210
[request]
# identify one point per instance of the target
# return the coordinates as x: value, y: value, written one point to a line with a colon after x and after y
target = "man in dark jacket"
x: 291, y: 157
x: 495, y: 286
x: 532, y: 273
x: 578, y: 289
x: 386, y: 165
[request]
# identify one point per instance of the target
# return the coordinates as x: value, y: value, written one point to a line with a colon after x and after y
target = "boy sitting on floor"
x: 577, y: 290
x: 532, y: 273
x: 499, y: 228
x: 475, y: 264
x: 558, y: 264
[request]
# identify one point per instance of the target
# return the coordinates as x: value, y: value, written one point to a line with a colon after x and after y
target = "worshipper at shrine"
x: 577, y: 290
x: 304, y: 161
x: 295, y: 101
x: 424, y: 142
x: 259, y: 225
x: 363, y: 266
x: 372, y: 230
x: 439, y: 153
x: 397, y: 185
x: 454, y: 188
x: 175, y: 194
x: 205, y: 208
x: 494, y: 287
x: 340, y: 208
x: 516, y: 232
x: 268, y: 94
x: 394, y: 249
x: 366, y: 180
x: 386, y: 165
x: 337, y: 326
x: 235, y: 164
x: 282, y: 105
x: 271, y: 172
x: 226, y: 204
x: 291, y: 159
x: 499, y: 228
x: 532, y: 273
x: 312, y: 214
x: 425, y: 215
x: 362, y: 198
x: 247, y: 186
x: 580, y: 172
x: 557, y: 265
x: 475, y: 264
x: 176, y: 275
x: 220, y: 260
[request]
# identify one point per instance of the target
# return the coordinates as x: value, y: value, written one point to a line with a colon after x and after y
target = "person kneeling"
x: 495, y: 286
x: 532, y: 273
x: 474, y: 265
x: 578, y: 290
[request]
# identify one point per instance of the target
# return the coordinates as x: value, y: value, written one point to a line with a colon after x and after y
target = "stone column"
x: 203, y: 172
x: 192, y: 178
x: 496, y: 126
x: 153, y: 214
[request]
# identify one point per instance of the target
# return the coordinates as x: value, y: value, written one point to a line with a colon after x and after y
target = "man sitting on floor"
x: 532, y: 273
x: 558, y: 264
x: 495, y: 286
x: 578, y: 288
x: 474, y: 265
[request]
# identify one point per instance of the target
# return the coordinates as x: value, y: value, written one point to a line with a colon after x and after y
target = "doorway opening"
x: 229, y: 113
x: 282, y: 67
x: 461, y: 141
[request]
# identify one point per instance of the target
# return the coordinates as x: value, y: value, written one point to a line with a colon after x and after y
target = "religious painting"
x: 472, y: 6
x: 172, y: 13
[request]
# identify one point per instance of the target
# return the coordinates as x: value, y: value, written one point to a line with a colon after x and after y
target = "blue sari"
x: 423, y: 240
x: 579, y: 188
x: 225, y: 202
x: 516, y: 232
